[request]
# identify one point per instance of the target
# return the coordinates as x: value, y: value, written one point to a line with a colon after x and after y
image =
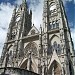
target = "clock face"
x: 52, y: 7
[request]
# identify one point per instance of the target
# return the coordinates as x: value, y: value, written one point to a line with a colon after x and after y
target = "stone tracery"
x: 31, y: 47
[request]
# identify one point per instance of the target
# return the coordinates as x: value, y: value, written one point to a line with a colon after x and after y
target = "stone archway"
x: 55, y: 68
x: 30, y: 54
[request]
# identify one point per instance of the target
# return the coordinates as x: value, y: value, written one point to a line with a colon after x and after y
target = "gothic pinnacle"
x: 14, y: 12
x: 23, y: 1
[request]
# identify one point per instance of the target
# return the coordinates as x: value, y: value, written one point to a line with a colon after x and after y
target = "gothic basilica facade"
x: 48, y: 51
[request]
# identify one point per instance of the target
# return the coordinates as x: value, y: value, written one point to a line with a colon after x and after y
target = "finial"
x: 40, y: 25
x: 30, y: 11
x: 14, y: 11
x: 33, y: 24
x: 40, y: 29
x: 23, y: 1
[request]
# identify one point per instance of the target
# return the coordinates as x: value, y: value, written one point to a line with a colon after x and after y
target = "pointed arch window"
x: 59, y: 49
x: 55, y: 45
x: 14, y: 32
x: 10, y: 51
x: 10, y: 55
x: 50, y: 26
x: 57, y: 24
x: 54, y: 25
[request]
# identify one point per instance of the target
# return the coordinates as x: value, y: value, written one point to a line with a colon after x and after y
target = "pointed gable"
x: 54, y: 57
x: 33, y: 31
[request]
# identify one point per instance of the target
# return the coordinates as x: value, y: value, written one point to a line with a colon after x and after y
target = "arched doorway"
x: 54, y: 69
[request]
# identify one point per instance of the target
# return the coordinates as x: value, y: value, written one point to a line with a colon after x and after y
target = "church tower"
x: 19, y: 27
x: 49, y: 51
x: 57, y: 42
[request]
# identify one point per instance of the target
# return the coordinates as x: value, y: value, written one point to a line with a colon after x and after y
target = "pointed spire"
x: 14, y: 11
x: 40, y: 29
x: 33, y: 24
x: 31, y: 12
x: 40, y: 26
x: 23, y: 1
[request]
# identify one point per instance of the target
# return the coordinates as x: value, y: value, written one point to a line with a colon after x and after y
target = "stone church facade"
x: 48, y: 51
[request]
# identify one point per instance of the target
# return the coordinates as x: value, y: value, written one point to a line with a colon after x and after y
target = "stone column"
x: 43, y: 67
x: 29, y: 62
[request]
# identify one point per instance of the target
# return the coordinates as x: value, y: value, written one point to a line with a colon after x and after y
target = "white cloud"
x: 5, y: 16
x: 37, y: 14
x: 18, y: 2
x: 73, y: 36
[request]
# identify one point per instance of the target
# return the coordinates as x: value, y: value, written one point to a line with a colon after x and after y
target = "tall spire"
x: 23, y: 1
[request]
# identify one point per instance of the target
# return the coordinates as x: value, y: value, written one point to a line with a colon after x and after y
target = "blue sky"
x: 70, y: 6
x: 7, y: 6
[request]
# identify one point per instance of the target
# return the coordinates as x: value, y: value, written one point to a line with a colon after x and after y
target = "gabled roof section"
x: 55, y: 57
x: 33, y: 31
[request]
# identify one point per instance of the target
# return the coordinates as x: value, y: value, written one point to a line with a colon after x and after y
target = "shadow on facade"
x: 15, y: 71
